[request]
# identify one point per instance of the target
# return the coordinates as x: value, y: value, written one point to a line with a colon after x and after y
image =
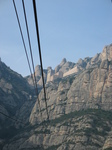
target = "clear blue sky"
x: 68, y: 28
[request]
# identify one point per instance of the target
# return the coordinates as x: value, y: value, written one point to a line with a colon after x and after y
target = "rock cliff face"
x: 14, y: 93
x: 79, y: 98
x: 89, y: 89
x: 82, y: 130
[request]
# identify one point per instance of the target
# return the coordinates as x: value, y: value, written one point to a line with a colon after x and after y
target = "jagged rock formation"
x: 62, y: 70
x: 50, y: 74
x: 79, y: 98
x: 68, y: 68
x: 92, y: 88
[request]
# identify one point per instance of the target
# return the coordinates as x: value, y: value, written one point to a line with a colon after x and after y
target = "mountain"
x: 65, y: 68
x: 15, y: 93
x: 90, y: 88
x: 79, y: 98
x: 80, y: 130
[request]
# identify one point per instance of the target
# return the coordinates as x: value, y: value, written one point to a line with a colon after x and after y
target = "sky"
x: 70, y: 29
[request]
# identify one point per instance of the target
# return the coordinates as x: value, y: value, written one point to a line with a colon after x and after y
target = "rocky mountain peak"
x: 38, y: 70
x: 81, y: 62
x: 95, y: 59
x: 107, y: 52
x: 37, y: 67
x: 66, y: 68
x: 49, y: 68
x: 63, y: 61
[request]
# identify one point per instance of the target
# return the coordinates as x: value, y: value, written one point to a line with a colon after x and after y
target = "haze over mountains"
x: 79, y: 98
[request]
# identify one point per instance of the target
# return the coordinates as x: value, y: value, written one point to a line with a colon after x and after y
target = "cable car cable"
x: 38, y: 40
x: 36, y: 89
x: 23, y: 41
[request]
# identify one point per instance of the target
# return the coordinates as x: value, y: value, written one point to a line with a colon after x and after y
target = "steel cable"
x: 36, y: 89
x: 39, y: 47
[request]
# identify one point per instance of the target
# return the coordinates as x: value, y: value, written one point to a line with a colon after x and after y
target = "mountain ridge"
x: 79, y: 105
x: 66, y: 68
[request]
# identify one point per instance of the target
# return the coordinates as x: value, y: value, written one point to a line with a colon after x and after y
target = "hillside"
x: 79, y: 104
x: 15, y: 93
x: 80, y: 130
